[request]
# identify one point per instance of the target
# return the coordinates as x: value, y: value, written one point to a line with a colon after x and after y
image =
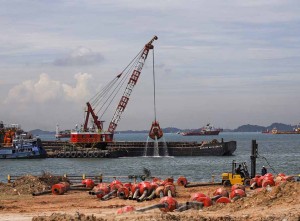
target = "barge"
x: 64, y: 149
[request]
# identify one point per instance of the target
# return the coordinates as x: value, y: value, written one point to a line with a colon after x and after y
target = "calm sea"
x: 279, y: 153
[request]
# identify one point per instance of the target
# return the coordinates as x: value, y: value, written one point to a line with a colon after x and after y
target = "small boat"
x: 207, y: 130
x: 18, y: 144
x: 62, y: 134
x: 267, y: 131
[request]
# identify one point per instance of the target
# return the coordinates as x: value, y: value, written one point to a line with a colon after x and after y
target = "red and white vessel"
x: 207, y: 130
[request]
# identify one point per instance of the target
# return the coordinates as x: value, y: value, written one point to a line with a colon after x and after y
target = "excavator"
x: 95, y: 134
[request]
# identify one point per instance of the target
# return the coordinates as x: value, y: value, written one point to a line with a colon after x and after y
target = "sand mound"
x: 28, y: 184
x: 66, y: 217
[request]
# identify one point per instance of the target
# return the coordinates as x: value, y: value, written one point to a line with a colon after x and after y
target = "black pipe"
x: 96, y: 193
x: 80, y: 188
x: 143, y: 196
x: 182, y: 208
x: 152, y: 195
x: 253, y: 186
x: 136, y: 194
x: 41, y: 193
x: 201, y: 184
x: 160, y: 205
x: 253, y: 157
x: 215, y: 198
x: 195, y: 204
x: 107, y: 196
x: 190, y: 205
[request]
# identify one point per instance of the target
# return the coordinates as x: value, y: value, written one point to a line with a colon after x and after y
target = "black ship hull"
x: 175, y: 149
x: 137, y: 149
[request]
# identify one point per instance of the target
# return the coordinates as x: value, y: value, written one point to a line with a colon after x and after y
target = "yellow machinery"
x: 236, y: 178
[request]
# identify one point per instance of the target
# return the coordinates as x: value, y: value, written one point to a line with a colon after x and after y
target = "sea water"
x: 280, y: 153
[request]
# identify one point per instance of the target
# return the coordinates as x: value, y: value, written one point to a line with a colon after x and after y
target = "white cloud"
x: 46, y: 90
x: 81, y: 91
x: 40, y: 91
x: 80, y: 56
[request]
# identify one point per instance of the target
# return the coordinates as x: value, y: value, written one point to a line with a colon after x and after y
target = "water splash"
x: 157, y: 144
x: 155, y: 148
x: 165, y: 148
x: 146, y: 147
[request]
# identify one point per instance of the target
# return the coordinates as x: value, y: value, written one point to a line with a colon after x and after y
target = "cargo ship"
x: 204, y: 131
x: 296, y: 130
x: 17, y: 144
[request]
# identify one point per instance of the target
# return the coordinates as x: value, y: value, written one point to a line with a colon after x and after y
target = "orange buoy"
x: 196, y: 195
x: 125, y: 209
x: 89, y: 183
x: 127, y: 185
x: 170, y: 204
x: 60, y: 188
x: 205, y: 200
x: 181, y: 181
x: 223, y: 199
x: 102, y: 191
x: 143, y: 186
x: 238, y: 186
x: 155, y: 132
x: 123, y: 193
x: 268, y: 181
x: 237, y: 192
x: 221, y: 191
x: 170, y: 190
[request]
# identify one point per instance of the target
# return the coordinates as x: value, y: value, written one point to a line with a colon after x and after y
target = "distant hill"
x: 249, y: 128
x: 256, y: 128
x: 39, y: 132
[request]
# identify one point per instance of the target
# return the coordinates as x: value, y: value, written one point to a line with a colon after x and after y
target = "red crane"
x: 95, y: 134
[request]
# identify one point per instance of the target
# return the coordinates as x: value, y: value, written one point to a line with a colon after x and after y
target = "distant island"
x: 243, y: 128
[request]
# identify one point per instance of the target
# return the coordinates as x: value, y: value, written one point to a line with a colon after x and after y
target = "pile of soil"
x: 29, y: 184
x: 66, y: 217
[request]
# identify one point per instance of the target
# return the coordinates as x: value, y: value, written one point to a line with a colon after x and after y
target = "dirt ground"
x: 16, y: 203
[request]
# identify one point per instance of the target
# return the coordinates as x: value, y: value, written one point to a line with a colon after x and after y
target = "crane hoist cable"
x: 154, y: 92
x: 119, y: 86
x: 97, y: 99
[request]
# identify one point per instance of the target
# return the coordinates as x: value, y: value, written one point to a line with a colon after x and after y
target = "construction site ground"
x: 17, y: 204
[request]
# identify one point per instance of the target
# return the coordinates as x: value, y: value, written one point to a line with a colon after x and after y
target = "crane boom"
x: 130, y: 85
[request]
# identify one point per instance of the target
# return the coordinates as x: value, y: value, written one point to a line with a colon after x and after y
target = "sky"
x: 227, y: 63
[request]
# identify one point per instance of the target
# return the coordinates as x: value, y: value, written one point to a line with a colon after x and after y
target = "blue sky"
x: 225, y: 62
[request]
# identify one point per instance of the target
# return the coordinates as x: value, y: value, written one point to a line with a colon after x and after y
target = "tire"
x: 90, y: 154
x: 73, y: 154
x: 95, y: 154
x: 68, y: 154
x: 79, y: 154
x: 84, y: 154
x: 226, y: 183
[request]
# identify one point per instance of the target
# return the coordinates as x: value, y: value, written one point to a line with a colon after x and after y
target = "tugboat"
x: 207, y: 130
x: 17, y: 144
